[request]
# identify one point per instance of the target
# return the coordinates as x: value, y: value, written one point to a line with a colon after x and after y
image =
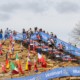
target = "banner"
x: 54, y: 73
x: 68, y: 47
x: 18, y: 37
x: 44, y: 36
x: 34, y: 36
x: 73, y: 71
x: 1, y: 36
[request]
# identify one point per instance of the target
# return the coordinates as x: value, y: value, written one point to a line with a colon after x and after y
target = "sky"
x: 57, y: 16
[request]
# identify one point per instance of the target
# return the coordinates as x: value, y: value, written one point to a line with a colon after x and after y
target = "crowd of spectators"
x: 39, y: 45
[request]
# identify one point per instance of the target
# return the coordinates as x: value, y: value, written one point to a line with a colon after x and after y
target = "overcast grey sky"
x: 57, y: 16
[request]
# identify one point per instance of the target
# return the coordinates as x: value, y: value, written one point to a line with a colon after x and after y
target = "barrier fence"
x: 54, y: 73
x: 68, y: 47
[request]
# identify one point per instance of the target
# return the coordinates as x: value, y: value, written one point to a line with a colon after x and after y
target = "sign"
x: 54, y: 73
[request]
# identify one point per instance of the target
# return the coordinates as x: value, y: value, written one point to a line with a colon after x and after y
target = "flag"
x: 18, y: 62
x: 13, y: 68
x: 20, y: 68
x: 29, y: 63
x: 35, y: 66
x: 43, y: 62
x: 17, y: 58
x: 39, y: 57
x: 26, y: 67
x: 7, y: 64
x: 3, y: 68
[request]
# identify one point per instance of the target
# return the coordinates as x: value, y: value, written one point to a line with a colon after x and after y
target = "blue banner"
x: 68, y: 47
x: 18, y: 37
x: 34, y: 36
x: 44, y: 36
x: 73, y: 71
x: 54, y: 73
x: 1, y: 36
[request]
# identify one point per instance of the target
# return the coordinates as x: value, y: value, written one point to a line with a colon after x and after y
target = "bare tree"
x: 76, y: 34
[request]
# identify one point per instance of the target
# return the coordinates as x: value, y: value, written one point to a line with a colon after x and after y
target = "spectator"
x: 44, y: 31
x: 35, y: 29
x: 52, y: 42
x: 1, y: 34
x: 38, y: 37
x: 55, y: 36
x: 23, y: 31
x: 30, y: 32
x: 24, y: 34
x: 1, y: 31
x: 49, y: 43
x: 14, y: 32
x: 60, y: 47
x: 7, y: 32
x: 39, y: 49
x: 31, y: 46
x: 40, y: 30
